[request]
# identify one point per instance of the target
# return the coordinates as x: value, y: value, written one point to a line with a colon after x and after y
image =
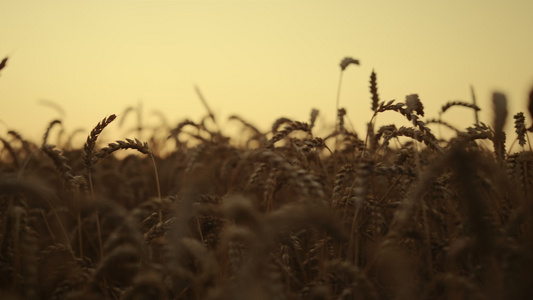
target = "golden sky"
x: 258, y: 59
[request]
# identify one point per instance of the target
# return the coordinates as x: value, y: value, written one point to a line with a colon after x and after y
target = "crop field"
x: 193, y: 213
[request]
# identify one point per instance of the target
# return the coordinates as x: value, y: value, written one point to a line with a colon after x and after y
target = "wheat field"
x: 191, y: 213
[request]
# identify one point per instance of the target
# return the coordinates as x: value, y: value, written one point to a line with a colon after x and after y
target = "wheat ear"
x: 47, y: 132
x: 60, y: 161
x: 374, y: 90
x: 500, y: 115
x: 287, y: 130
x: 88, y: 148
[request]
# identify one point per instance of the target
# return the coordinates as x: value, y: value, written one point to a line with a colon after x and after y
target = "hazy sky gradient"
x: 257, y: 59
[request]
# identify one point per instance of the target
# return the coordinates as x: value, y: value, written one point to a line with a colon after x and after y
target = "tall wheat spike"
x: 374, y: 90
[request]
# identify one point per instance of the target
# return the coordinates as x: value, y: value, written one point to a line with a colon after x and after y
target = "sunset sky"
x: 260, y: 60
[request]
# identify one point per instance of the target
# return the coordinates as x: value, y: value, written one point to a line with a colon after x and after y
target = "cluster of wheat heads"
x: 399, y: 214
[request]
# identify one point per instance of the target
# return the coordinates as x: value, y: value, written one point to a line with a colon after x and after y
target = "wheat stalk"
x: 89, y: 160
